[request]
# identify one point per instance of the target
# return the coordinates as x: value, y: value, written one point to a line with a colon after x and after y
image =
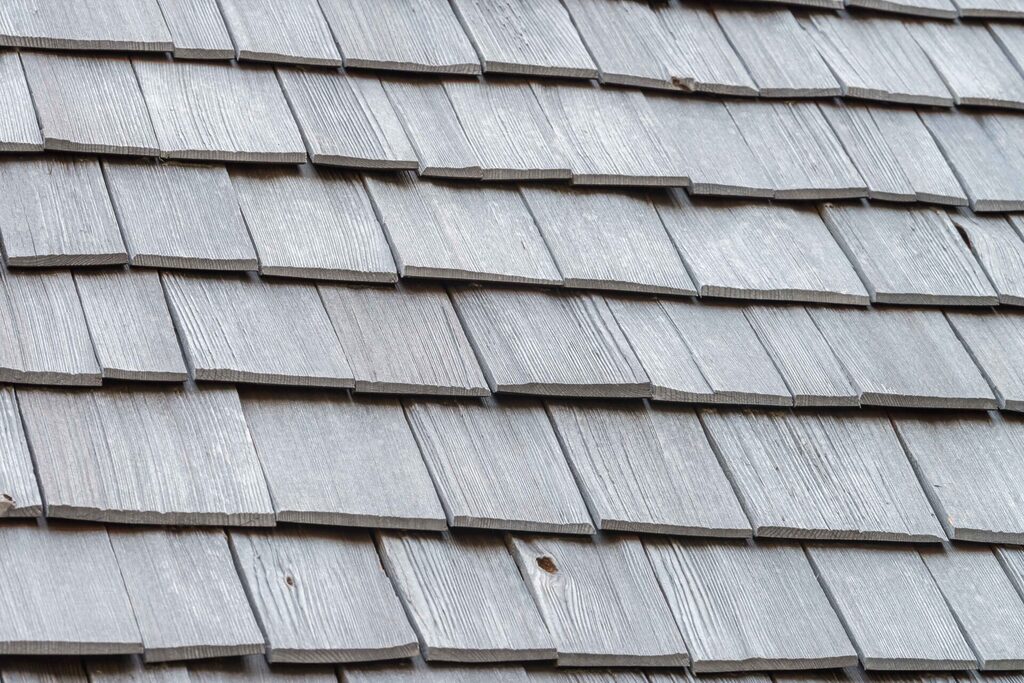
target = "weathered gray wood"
x: 600, y: 601
x: 19, y: 128
x: 179, y: 216
x: 985, y: 602
x: 419, y: 671
x: 506, y: 127
x: 341, y: 461
x: 534, y: 342
x: 19, y: 493
x: 864, y: 141
x: 244, y: 329
x: 647, y: 470
x: 128, y: 25
x: 347, y: 120
x: 876, y: 58
x: 903, y: 357
x: 313, y: 223
x: 586, y: 676
x: 498, y: 465
x: 836, y: 477
x: 891, y: 607
x: 450, y: 231
x: 43, y: 670
x: 971, y: 63
x: 997, y: 244
x: 969, y: 466
x: 995, y: 342
x: 608, y: 135
x: 938, y: 9
x: 89, y: 104
x: 1012, y: 561
x: 131, y: 669
x: 778, y: 53
x: 608, y: 240
x: 798, y: 149
x: 58, y: 213
x: 187, y: 597
x: 802, y: 356
x: 997, y: 9
x: 130, y: 326
x: 63, y: 592
x: 919, y: 156
x: 1010, y: 38
x: 197, y: 29
x: 687, y: 677
x: 406, y: 339
x: 401, y: 35
x: 464, y: 597
x: 322, y: 596
x: 254, y: 669
x: 745, y: 251
x: 146, y: 456
x: 218, y: 111
x: 267, y: 31
x: 909, y: 255
x: 749, y: 606
x: 532, y: 38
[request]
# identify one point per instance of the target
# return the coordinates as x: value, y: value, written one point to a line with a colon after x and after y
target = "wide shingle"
x: 498, y: 465
x: 19, y: 128
x: 264, y: 30
x: 995, y: 342
x: 19, y: 492
x: 837, y: 477
x: 244, y: 329
x: 322, y: 596
x: 534, y: 342
x: 747, y: 606
x: 341, y: 461
x: 186, y: 595
x: 129, y: 25
x: 464, y: 597
x: 996, y: 242
x: 146, y: 456
x: 313, y: 223
x: 600, y: 601
x: 218, y: 111
x: 197, y: 29
x: 648, y: 470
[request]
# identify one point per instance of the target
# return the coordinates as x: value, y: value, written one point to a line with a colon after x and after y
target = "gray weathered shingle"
x: 129, y: 25
x: 265, y: 30
x: 19, y: 492
x: 19, y: 128
x: 197, y: 29
x: 996, y: 242
x: 995, y: 342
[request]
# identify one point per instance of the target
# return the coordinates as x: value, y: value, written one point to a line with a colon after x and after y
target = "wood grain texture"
x: 207, y: 111
x: 586, y: 676
x: 903, y: 357
x: 449, y: 231
x: 244, y: 329
x: 876, y: 58
x: 347, y: 120
x: 404, y: 340
x: 464, y: 597
x: 19, y: 492
x: 997, y: 244
x: 778, y: 54
x: 127, y: 25
x: 608, y: 240
x: 978, y: 497
x: 996, y: 9
x: 422, y: 35
x: 254, y: 669
x: 749, y: 606
x: 498, y: 465
x: 59, y: 213
x: 802, y: 356
x: 19, y: 128
x: 312, y: 223
x: 197, y: 29
x: 909, y: 255
x: 891, y: 607
x: 971, y: 63
x: 920, y: 157
x: 826, y: 476
x: 600, y: 601
x: 179, y: 216
x: 40, y: 670
x: 64, y: 593
x: 341, y: 461
x: 131, y: 669
x: 865, y: 142
x: 994, y: 342
x: 505, y: 125
x: 530, y: 38
x: 322, y: 597
x: 420, y: 671
x: 264, y: 30
x: 130, y: 326
x: 533, y: 342
x: 744, y: 250
x: 146, y: 456
x: 939, y: 9
x: 89, y: 104
x: 647, y: 470
x: 687, y: 677
x: 186, y: 595
x: 798, y: 149
x: 985, y: 602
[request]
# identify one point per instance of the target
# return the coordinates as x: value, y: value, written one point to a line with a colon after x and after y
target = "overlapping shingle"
x: 919, y: 156
x: 865, y: 142
x: 995, y: 342
x: 436, y: 672
x: 45, y: 670
x: 134, y: 25
x: 937, y: 9
x: 197, y: 29
x: 19, y: 492
x: 267, y: 31
x: 996, y: 242
x: 254, y: 669
x: 19, y: 128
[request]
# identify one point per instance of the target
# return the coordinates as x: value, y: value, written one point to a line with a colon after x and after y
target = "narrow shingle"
x: 19, y: 127
x: 997, y: 244
x: 995, y: 341
x: 869, y: 150
x: 19, y: 492
x: 268, y: 31
x: 197, y: 29
x: 124, y: 25
x: 920, y: 156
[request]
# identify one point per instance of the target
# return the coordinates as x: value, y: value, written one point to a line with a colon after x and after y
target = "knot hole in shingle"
x: 963, y: 235
x: 289, y: 580
x: 6, y: 502
x: 547, y: 564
